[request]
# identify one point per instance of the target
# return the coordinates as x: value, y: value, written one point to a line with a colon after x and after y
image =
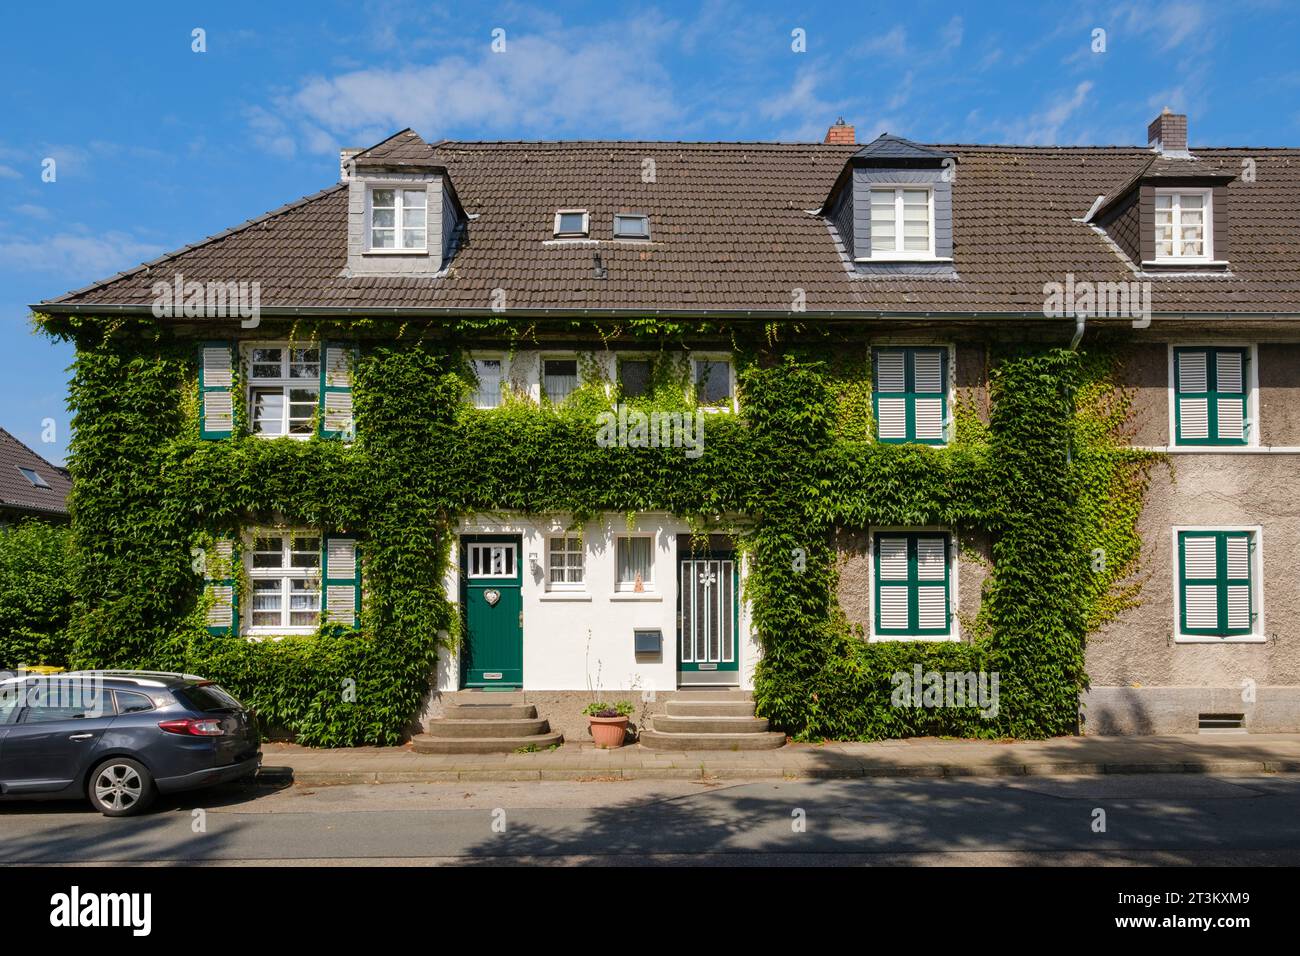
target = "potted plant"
x: 608, y: 722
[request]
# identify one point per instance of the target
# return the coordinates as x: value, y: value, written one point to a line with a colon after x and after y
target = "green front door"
x: 494, y: 618
x: 708, y: 618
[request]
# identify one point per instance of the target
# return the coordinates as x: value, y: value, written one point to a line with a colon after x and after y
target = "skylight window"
x: 571, y: 224
x: 629, y: 226
x: 36, y: 480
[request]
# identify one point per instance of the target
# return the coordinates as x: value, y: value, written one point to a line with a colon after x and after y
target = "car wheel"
x: 120, y: 787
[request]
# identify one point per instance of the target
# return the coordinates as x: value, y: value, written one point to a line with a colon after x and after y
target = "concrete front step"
x: 709, y: 708
x: 715, y: 694
x: 489, y: 711
x: 428, y: 744
x: 526, y: 727
x: 666, y: 724
x: 655, y: 740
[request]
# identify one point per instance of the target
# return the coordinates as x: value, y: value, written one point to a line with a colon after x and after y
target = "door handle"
x: 81, y: 736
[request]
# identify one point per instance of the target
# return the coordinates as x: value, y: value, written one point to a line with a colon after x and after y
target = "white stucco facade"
x: 581, y: 638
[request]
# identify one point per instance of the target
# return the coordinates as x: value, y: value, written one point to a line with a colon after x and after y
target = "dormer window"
x: 397, y: 219
x: 629, y: 226
x: 1183, y: 225
x: 902, y: 223
x: 571, y: 224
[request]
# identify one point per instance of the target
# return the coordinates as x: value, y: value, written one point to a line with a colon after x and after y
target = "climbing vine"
x: 1045, y: 478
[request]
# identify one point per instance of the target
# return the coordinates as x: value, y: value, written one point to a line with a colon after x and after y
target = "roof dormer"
x: 892, y: 206
x: 404, y: 218
x: 1171, y: 216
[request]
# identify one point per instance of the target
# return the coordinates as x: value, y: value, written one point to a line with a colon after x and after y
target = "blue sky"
x: 157, y: 145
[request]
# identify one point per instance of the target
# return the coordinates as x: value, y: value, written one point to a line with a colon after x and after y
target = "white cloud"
x: 8, y: 172
x: 1043, y: 128
x: 32, y: 211
x: 1171, y: 25
x: 590, y: 82
x: 951, y: 35
x: 892, y: 43
x: 83, y: 255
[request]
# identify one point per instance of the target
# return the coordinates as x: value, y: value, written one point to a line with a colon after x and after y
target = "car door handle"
x: 81, y: 736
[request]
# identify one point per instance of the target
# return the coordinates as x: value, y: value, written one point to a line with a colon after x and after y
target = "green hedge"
x: 35, y: 594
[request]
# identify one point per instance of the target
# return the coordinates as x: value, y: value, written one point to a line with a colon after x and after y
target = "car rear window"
x: 207, y: 698
x: 129, y: 702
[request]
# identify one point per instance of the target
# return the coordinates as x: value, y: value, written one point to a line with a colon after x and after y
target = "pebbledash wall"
x: 1145, y: 677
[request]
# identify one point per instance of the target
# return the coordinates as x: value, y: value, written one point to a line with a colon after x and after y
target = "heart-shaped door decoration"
x: 492, y: 595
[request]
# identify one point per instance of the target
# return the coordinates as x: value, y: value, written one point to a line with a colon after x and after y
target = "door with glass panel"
x: 492, y: 597
x: 708, y: 618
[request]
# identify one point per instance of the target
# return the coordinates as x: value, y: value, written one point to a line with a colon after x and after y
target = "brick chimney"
x: 1168, y: 133
x: 841, y: 133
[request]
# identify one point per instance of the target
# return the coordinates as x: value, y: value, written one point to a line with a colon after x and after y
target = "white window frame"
x: 632, y: 215
x: 586, y: 224
x: 1207, y: 225
x: 899, y: 254
x: 629, y: 587
x: 284, y: 383
x: 1252, y: 396
x: 566, y: 585
x: 731, y: 406
x: 398, y: 233
x: 954, y: 585
x: 486, y: 547
x: 284, y: 574
x: 1258, y: 633
x: 476, y: 357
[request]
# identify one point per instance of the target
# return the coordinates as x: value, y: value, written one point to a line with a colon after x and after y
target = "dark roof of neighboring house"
x: 19, y: 494
x: 734, y: 228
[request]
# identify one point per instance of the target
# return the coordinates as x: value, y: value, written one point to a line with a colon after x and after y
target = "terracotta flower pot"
x: 608, y: 732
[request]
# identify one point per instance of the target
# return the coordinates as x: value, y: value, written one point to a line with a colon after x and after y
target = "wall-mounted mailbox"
x: 649, y: 640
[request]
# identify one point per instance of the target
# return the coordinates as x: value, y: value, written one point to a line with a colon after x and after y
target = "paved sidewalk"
x: 917, y: 757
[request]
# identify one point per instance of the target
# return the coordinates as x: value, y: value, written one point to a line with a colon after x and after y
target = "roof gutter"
x: 311, y: 311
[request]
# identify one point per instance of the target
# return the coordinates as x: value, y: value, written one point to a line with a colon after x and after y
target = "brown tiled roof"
x: 19, y: 494
x: 732, y: 230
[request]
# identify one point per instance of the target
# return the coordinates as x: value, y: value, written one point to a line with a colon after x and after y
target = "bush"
x: 35, y: 594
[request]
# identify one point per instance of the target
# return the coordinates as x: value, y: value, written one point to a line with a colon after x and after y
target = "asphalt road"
x: 1149, y: 819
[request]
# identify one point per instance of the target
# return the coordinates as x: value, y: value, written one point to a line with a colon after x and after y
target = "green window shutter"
x: 1216, y: 590
x: 1210, y: 392
x: 221, y: 582
x: 912, y: 574
x: 216, y: 390
x: 910, y: 395
x: 337, y: 362
x: 342, y: 574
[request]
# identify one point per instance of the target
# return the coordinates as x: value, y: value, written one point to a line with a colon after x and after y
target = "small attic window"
x: 397, y: 219
x: 631, y: 226
x: 36, y: 480
x: 1183, y: 225
x: 571, y: 223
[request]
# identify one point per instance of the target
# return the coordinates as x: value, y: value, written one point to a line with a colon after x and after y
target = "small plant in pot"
x: 608, y: 722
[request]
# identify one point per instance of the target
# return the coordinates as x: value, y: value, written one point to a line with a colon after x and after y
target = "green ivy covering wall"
x: 1041, y: 478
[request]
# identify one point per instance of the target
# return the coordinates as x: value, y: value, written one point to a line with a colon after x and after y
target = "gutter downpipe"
x: 1080, y: 321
